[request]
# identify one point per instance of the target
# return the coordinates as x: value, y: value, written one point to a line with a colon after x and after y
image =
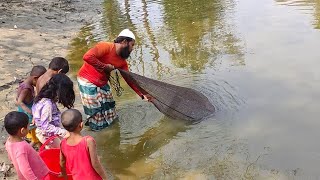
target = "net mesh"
x: 174, y: 101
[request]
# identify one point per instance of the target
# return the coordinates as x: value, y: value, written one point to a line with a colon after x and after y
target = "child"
x: 25, y: 159
x: 25, y: 96
x: 45, y: 112
x: 79, y: 153
x: 57, y: 65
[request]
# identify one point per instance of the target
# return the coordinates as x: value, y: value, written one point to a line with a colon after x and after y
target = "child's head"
x: 72, y: 120
x: 59, y: 88
x: 59, y: 64
x: 36, y: 72
x: 16, y: 123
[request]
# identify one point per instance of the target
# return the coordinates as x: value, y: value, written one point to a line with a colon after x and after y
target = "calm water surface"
x: 256, y: 61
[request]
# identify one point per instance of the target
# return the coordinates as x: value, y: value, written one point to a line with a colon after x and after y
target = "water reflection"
x: 79, y: 46
x: 172, y: 37
x: 183, y: 34
x: 200, y: 33
x: 137, y: 135
x: 308, y: 5
x: 140, y: 146
x: 113, y: 20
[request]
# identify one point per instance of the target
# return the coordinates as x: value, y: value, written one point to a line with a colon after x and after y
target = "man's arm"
x: 130, y: 83
x: 94, y: 54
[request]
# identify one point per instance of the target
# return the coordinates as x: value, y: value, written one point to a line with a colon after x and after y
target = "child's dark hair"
x: 37, y: 71
x: 119, y: 39
x: 58, y: 63
x: 59, y: 87
x: 14, y: 121
x: 71, y: 119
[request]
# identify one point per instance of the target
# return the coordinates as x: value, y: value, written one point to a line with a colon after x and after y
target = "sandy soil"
x: 31, y: 33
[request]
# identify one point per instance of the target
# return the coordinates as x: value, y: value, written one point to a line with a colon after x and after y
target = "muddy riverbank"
x: 32, y: 32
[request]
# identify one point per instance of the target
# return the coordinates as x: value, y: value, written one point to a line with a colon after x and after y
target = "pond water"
x: 256, y: 61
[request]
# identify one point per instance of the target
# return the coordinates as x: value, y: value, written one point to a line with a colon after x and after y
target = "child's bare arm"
x: 23, y: 95
x: 63, y: 165
x: 94, y: 158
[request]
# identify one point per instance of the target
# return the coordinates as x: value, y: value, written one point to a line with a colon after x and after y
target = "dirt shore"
x: 32, y: 32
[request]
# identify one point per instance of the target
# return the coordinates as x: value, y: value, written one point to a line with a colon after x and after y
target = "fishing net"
x: 174, y: 101
x: 115, y: 83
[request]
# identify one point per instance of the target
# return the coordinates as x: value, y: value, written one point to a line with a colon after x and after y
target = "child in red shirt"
x: 79, y: 153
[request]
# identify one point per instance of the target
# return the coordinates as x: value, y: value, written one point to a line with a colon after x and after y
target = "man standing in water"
x: 93, y: 76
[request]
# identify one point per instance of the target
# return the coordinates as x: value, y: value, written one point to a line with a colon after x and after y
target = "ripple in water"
x: 135, y: 119
x: 306, y: 5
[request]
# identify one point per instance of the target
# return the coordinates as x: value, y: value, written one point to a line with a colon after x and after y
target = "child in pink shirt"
x: 79, y: 153
x: 25, y: 159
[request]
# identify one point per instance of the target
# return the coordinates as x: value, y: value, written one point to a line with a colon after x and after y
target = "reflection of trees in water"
x: 200, y: 32
x: 119, y: 157
x: 79, y: 46
x: 151, y: 36
x: 228, y: 160
x: 170, y: 149
x: 140, y: 66
x: 306, y: 3
x: 189, y: 21
x: 113, y: 19
x: 317, y: 14
x: 194, y: 33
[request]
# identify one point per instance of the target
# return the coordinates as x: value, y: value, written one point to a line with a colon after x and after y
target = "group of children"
x: 38, y: 118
